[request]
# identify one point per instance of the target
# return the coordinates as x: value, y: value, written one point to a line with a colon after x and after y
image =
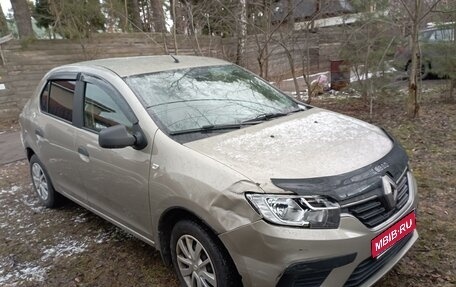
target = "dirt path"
x: 10, y: 147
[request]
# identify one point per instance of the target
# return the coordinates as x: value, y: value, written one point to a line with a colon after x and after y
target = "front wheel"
x: 198, y: 258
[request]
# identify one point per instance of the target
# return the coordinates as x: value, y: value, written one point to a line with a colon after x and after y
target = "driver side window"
x: 101, y: 110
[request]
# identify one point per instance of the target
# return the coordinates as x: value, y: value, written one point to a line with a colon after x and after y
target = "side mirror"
x: 116, y: 137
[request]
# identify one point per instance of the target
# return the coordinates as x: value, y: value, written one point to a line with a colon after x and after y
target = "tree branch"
x: 429, y: 10
x: 409, y: 12
x: 444, y: 11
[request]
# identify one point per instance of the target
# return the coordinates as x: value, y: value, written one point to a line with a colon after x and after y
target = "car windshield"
x: 202, y: 97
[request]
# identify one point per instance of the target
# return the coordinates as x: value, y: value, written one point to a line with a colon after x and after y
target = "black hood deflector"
x: 351, y: 184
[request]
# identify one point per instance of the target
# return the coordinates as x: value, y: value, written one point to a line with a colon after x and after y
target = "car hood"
x: 308, y: 144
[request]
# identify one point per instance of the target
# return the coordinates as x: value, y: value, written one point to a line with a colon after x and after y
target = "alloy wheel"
x: 194, y: 263
x: 40, y: 182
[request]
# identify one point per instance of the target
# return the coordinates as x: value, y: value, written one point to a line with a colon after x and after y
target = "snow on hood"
x: 308, y: 144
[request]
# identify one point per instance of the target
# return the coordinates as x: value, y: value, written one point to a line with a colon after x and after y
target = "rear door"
x: 116, y: 180
x: 55, y: 135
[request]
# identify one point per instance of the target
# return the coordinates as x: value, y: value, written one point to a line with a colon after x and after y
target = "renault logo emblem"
x: 390, y: 192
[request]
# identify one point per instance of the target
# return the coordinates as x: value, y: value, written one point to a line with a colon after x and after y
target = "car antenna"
x: 175, y: 59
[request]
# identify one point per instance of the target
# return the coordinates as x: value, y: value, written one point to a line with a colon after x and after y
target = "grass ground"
x: 69, y: 246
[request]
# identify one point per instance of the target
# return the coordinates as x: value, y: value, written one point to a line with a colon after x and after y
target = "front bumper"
x: 269, y: 255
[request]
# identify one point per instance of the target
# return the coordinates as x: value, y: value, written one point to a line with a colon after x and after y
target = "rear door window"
x: 57, y: 99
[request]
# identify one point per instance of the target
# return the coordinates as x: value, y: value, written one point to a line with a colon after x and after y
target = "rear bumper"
x: 269, y: 255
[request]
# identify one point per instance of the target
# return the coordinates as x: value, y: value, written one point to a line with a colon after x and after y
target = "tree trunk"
x: 413, y: 106
x: 135, y: 15
x: 173, y: 13
x: 125, y: 28
x: 3, y: 24
x: 158, y: 15
x: 292, y: 70
x: 23, y: 18
x: 147, y: 16
x: 305, y: 59
x: 242, y: 33
x: 290, y: 51
x: 451, y: 99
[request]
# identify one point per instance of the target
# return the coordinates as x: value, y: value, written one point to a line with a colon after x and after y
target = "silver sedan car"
x: 234, y: 182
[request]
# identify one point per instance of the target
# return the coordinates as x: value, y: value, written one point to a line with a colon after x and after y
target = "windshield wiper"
x: 265, y: 117
x: 208, y: 128
x: 268, y: 116
x: 258, y: 119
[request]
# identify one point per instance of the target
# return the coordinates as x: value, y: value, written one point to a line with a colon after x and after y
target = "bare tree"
x: 287, y: 41
x: 367, y: 43
x: 263, y: 35
x: 23, y: 18
x: 416, y: 12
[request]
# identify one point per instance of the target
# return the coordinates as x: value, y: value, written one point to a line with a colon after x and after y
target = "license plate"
x: 392, y: 235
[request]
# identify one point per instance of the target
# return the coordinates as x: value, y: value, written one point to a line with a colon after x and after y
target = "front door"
x: 116, y: 180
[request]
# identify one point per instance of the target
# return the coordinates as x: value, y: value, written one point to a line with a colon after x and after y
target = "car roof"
x: 128, y: 66
x: 440, y: 26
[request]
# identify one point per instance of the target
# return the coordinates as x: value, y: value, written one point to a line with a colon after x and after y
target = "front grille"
x: 370, y: 266
x: 373, y: 212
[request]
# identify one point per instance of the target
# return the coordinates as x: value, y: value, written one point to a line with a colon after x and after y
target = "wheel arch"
x: 165, y: 226
x: 168, y: 220
x: 29, y: 152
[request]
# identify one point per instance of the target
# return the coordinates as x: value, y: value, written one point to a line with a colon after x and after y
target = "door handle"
x: 39, y: 132
x: 83, y: 151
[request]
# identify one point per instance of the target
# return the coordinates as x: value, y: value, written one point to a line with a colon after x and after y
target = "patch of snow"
x: 313, y: 76
x: 64, y: 249
x: 26, y: 226
x: 362, y: 77
x: 32, y: 273
x: 12, y: 190
x: 30, y: 231
x: 30, y: 201
x: 5, y: 278
x: 23, y: 272
x: 102, y: 238
x: 80, y: 218
x: 38, y: 209
x: 333, y: 94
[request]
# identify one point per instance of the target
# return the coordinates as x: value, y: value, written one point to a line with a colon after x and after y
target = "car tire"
x: 42, y: 183
x: 211, y: 264
x: 424, y: 73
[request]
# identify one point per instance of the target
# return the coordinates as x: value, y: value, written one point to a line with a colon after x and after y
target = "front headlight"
x: 293, y: 210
